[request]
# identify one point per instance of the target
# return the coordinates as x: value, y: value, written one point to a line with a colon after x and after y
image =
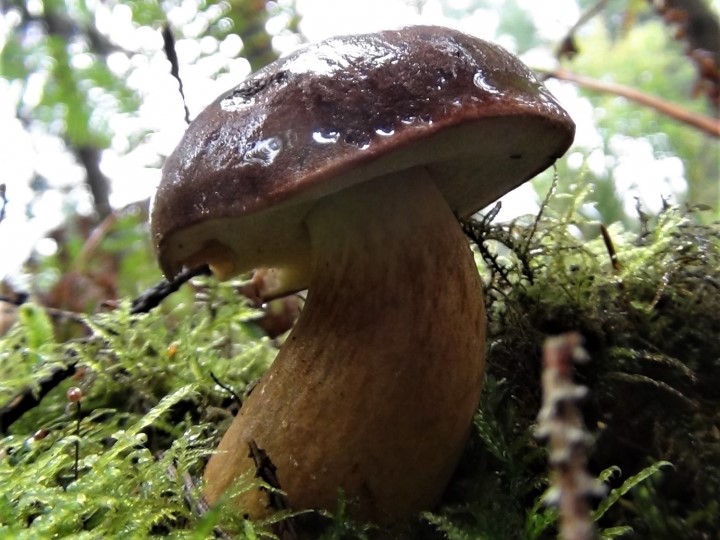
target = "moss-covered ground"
x: 647, y: 303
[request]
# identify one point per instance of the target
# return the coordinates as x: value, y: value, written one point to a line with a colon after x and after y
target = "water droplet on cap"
x: 326, y: 136
x: 481, y: 82
x: 263, y: 152
x: 385, y: 131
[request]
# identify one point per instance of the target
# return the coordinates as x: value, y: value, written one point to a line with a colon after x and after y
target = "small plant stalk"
x: 74, y: 395
x: 560, y: 423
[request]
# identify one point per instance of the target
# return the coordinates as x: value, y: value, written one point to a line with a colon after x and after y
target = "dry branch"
x: 706, y: 124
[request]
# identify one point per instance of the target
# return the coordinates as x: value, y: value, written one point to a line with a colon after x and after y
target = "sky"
x: 135, y: 174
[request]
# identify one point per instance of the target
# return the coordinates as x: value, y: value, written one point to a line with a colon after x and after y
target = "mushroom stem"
x: 374, y: 391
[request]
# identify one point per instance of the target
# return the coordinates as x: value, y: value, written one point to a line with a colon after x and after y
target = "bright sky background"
x: 135, y: 174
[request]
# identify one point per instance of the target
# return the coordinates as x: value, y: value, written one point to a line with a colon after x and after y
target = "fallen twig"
x: 151, y: 298
x: 31, y: 396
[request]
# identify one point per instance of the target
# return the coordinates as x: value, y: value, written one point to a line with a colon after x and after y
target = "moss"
x: 650, y: 323
x: 152, y: 413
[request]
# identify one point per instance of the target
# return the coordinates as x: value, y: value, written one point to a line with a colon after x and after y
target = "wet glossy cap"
x: 344, y: 111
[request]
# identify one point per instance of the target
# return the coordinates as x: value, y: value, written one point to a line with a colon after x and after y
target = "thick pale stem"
x: 374, y: 391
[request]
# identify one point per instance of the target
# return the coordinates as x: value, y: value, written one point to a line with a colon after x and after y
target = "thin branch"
x: 226, y: 388
x: 171, y: 54
x: 31, y: 396
x: 94, y: 240
x: 706, y: 124
x: 567, y: 46
x: 610, y: 246
x: 152, y: 297
x: 20, y: 298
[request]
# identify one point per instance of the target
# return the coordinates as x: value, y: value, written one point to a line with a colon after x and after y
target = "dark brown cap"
x: 341, y: 112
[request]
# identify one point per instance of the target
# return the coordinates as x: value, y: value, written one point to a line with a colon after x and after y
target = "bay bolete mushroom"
x: 343, y: 168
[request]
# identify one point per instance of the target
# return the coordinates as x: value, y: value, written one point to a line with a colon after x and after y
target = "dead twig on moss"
x: 151, y: 298
x: 30, y: 397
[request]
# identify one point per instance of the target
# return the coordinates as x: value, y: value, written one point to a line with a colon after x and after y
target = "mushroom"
x: 343, y: 168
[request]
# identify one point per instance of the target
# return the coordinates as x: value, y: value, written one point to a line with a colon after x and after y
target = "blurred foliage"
x: 72, y: 77
x: 647, y: 58
x: 57, y: 62
x: 514, y: 21
x: 151, y: 412
x: 94, y: 265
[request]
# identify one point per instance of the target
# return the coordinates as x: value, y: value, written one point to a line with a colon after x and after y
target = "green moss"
x: 650, y: 324
x: 145, y: 420
x: 151, y: 412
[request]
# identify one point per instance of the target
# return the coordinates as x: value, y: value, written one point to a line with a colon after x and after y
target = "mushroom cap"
x: 344, y: 111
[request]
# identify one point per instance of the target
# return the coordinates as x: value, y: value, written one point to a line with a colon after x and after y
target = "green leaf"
x: 162, y: 408
x: 615, y: 495
x: 614, y: 532
x: 608, y: 473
